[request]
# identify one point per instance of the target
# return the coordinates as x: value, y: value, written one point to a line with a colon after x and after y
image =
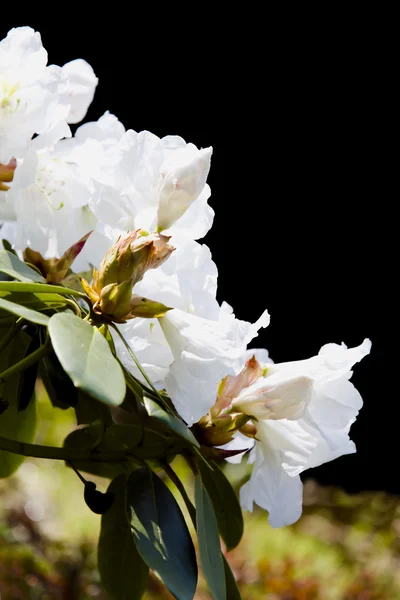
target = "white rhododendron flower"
x: 49, y: 198
x: 204, y: 351
x: 36, y: 98
x: 186, y: 281
x: 305, y: 410
x: 149, y: 183
x: 132, y: 205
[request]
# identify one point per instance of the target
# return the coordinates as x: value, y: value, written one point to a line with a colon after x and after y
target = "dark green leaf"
x: 161, y: 534
x: 170, y: 421
x: 89, y: 409
x: 232, y: 590
x: 14, y: 425
x: 226, y: 506
x: 12, y: 266
x: 209, y: 544
x: 89, y: 437
x: 27, y: 379
x: 114, y: 437
x: 122, y: 571
x: 86, y: 356
x: 22, y: 311
x: 142, y: 442
x: 58, y: 384
x: 7, y: 246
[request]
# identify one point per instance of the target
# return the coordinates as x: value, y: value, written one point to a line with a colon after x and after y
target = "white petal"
x: 108, y: 127
x: 81, y: 85
x: 147, y: 341
x: 268, y: 398
x: 204, y: 352
x: 273, y: 489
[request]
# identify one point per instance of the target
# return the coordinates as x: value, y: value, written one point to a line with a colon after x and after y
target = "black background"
x: 299, y: 178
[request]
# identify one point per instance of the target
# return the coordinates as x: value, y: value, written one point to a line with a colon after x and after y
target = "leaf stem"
x: 11, y: 332
x: 66, y: 454
x: 26, y: 362
x: 140, y: 368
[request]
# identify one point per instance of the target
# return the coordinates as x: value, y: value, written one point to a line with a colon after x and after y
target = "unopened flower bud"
x: 269, y: 398
x: 183, y: 179
x: 7, y: 174
x: 219, y: 431
x: 249, y: 430
x: 123, y: 266
x: 131, y: 256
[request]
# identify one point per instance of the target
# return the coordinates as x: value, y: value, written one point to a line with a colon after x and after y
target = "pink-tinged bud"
x: 123, y: 266
x: 182, y: 180
x: 55, y: 270
x: 269, y: 398
x: 7, y: 174
x: 231, y: 386
x: 131, y: 256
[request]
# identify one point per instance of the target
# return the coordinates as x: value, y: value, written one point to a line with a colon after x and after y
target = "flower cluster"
x: 130, y: 208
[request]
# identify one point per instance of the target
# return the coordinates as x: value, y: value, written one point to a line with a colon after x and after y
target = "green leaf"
x: 12, y: 266
x: 232, y: 590
x: 86, y: 356
x: 27, y: 378
x: 123, y: 572
x: 60, y: 389
x: 161, y: 534
x: 226, y: 505
x: 21, y: 311
x: 19, y: 426
x: 170, y: 421
x: 209, y: 544
x: 36, y: 301
x: 89, y: 437
x: 7, y: 246
x: 19, y: 286
x: 114, y: 437
x: 88, y: 410
x: 142, y: 442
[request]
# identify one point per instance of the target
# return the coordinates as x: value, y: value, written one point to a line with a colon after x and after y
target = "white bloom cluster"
x: 108, y: 180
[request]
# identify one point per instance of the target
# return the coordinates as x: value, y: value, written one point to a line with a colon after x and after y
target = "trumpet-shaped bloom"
x: 303, y: 433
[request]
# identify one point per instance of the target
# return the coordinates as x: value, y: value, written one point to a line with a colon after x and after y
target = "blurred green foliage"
x: 343, y: 548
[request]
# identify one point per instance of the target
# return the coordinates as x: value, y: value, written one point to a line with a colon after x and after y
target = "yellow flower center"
x: 9, y: 100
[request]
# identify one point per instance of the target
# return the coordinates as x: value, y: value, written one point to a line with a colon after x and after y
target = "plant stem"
x: 141, y: 370
x: 75, y: 307
x: 11, y: 332
x: 26, y: 362
x: 67, y: 454
x: 77, y: 472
